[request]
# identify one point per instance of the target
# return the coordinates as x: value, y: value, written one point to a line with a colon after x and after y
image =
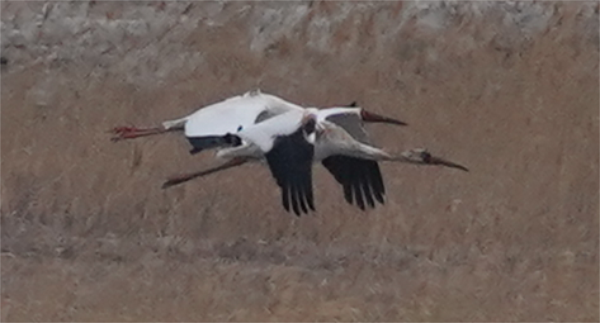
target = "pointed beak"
x: 376, y: 118
x: 440, y: 161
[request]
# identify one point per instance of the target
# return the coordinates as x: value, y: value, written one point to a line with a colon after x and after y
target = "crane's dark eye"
x: 240, y: 128
x: 426, y: 156
x: 310, y: 126
x: 232, y: 140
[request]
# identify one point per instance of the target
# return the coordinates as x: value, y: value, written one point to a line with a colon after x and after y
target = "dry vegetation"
x: 509, y: 89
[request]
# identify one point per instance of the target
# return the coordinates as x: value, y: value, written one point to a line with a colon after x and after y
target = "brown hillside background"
x: 511, y: 90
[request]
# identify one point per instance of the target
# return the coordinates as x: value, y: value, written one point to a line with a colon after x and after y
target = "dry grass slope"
x: 509, y: 89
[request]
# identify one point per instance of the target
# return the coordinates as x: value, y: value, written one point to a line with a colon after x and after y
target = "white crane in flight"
x: 361, y: 179
x: 292, y: 141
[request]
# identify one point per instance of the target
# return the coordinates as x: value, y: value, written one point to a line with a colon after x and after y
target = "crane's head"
x: 309, y: 126
x: 423, y: 157
x: 367, y: 116
x: 309, y: 123
x: 232, y: 140
x: 352, y: 109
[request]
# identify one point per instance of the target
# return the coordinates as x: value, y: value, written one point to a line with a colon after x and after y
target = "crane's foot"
x: 182, y: 178
x: 122, y: 133
x: 178, y: 179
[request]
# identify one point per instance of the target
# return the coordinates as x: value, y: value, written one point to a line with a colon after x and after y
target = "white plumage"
x: 240, y: 111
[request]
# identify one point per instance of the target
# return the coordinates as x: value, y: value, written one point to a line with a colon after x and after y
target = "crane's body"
x: 240, y: 111
x: 204, y: 127
x: 254, y: 141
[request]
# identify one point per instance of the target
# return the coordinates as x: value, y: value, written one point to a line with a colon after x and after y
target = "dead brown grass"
x: 88, y: 235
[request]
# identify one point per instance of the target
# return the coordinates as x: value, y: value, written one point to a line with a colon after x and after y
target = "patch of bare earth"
x: 509, y: 89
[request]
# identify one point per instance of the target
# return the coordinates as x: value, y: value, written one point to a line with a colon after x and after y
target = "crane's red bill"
x: 443, y: 162
x: 377, y: 118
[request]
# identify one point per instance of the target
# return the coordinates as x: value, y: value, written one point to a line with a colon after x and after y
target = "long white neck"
x: 326, y: 148
x: 368, y: 152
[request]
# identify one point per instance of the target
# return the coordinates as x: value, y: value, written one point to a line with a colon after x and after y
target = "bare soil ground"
x: 509, y: 89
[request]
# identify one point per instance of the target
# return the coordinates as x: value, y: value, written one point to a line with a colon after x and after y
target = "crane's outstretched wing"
x: 290, y: 161
x: 360, y: 178
x: 205, y: 127
x: 353, y: 125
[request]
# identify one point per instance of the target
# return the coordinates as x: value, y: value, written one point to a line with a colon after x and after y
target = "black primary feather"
x: 360, y: 178
x: 290, y: 162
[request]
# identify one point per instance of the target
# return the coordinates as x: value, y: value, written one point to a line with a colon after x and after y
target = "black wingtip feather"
x: 348, y: 194
x: 290, y: 161
x: 359, y: 197
x: 295, y: 198
x: 285, y: 195
x: 360, y: 178
x: 366, y: 188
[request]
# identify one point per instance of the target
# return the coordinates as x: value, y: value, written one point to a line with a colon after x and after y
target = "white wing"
x: 236, y: 113
x: 264, y: 134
